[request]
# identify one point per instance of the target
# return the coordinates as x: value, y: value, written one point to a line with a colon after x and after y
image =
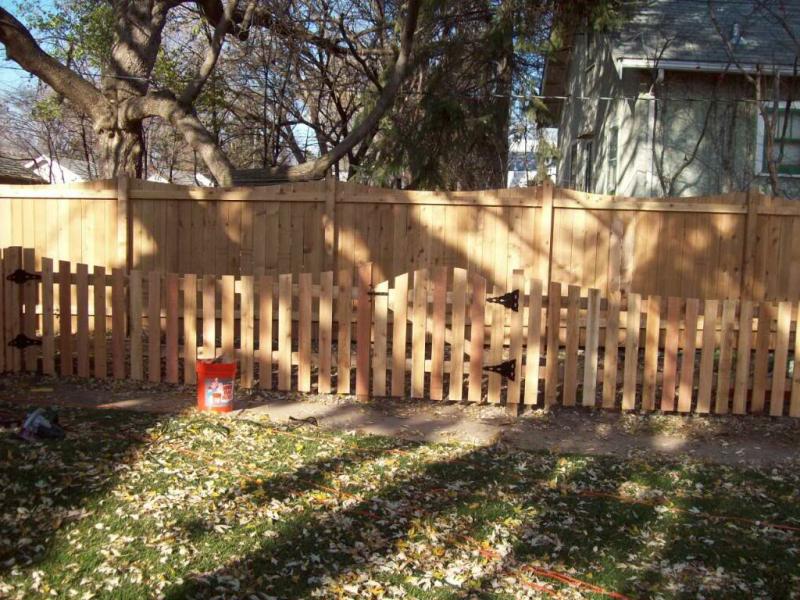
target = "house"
x: 666, y: 103
x: 13, y: 171
x: 70, y: 170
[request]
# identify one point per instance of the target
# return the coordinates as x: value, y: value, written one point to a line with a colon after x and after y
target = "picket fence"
x: 436, y: 334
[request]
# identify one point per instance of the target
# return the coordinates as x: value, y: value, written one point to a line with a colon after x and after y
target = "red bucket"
x: 215, y: 386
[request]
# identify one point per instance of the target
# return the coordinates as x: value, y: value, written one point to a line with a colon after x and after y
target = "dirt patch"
x: 756, y: 441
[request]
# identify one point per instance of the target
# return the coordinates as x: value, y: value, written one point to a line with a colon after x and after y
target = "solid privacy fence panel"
x: 740, y: 245
x: 438, y: 334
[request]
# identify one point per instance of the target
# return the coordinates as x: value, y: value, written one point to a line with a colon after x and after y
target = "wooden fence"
x: 732, y: 246
x: 440, y: 334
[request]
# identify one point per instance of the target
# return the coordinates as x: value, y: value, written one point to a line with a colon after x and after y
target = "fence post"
x: 124, y: 224
x: 329, y: 223
x: 748, y: 281
x: 544, y: 234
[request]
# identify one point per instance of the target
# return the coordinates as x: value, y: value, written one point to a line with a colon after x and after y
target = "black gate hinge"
x: 509, y: 300
x: 507, y: 369
x: 22, y: 341
x: 21, y: 276
x: 372, y: 292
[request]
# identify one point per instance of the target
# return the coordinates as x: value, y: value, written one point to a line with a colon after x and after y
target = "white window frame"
x: 760, y: 164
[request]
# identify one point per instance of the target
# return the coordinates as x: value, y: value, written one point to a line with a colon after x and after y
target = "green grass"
x: 133, y: 506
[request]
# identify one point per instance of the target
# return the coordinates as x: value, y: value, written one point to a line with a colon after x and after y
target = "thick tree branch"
x: 23, y: 49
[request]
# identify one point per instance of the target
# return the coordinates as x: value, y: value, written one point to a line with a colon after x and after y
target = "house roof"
x: 676, y: 31
x: 13, y: 170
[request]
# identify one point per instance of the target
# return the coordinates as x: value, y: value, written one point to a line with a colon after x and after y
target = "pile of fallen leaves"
x: 132, y: 505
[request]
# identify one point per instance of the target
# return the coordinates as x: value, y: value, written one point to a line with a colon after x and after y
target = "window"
x: 572, y: 166
x: 786, y: 148
x: 613, y: 143
x: 587, y: 166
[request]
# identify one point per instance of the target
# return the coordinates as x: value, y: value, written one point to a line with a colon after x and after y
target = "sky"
x: 11, y: 76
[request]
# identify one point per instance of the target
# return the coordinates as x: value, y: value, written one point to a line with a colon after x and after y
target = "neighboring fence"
x: 732, y: 246
x: 440, y: 334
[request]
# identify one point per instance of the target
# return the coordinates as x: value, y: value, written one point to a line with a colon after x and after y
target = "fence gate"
x: 18, y: 296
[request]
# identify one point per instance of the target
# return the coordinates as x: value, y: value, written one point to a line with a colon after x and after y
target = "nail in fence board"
x: 726, y: 345
x: 589, y: 396
x: 418, y: 333
x: 48, y: 329
x: 100, y: 351
x: 399, y: 329
x: 325, y: 331
x: 154, y: 326
x: 776, y: 400
x: 247, y: 329
x: 82, y: 302
x: 118, y: 354
x: 710, y: 309
x: 631, y: 366
x: 571, y: 354
x: 304, y: 333
x: 65, y: 318
x: 265, y: 316
x: 189, y: 328
x: 742, y: 378
x: 551, y: 361
x: 455, y: 390
x: 477, y: 319
x: 686, y: 387
x: 652, y: 332
x: 534, y: 343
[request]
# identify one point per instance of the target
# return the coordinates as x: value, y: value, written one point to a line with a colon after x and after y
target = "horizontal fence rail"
x: 438, y: 334
x: 738, y: 245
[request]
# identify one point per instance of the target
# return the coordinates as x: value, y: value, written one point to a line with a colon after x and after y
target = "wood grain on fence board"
x: 631, y: 366
x: 209, y: 317
x: 325, y: 331
x: 99, y: 342
x: 344, y: 305
x: 776, y: 401
x: 171, y: 295
x: 399, y: 333
x: 419, y: 333
x: 766, y: 315
x: 4, y: 347
x: 589, y: 396
x: 652, y: 334
x: 686, y: 385
x: 265, y: 340
x: 247, y: 331
x: 726, y: 347
x: 742, y: 377
x: 710, y: 309
x: 455, y: 389
x: 497, y: 314
x: 227, y: 334
x: 363, y: 329
x: 285, y: 332
x: 379, y: 365
x: 12, y: 261
x: 154, y: 326
x: 189, y: 328
x: 477, y: 317
x: 438, y: 315
x: 48, y: 326
x: 610, y: 351
x: 551, y: 360
x: 671, y: 341
x: 571, y: 354
x: 515, y: 340
x: 82, y: 307
x: 304, y: 307
x: 794, y: 406
x: 135, y: 320
x: 29, y: 300
x: 118, y: 313
x: 64, y: 319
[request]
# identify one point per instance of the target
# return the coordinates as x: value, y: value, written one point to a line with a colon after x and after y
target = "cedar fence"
x: 441, y: 334
x: 736, y: 246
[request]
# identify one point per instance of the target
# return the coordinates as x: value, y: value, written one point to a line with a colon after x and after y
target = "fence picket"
x: 3, y: 283
x: 776, y: 400
x: 455, y: 389
x: 671, y: 340
x: 13, y: 321
x: 496, y: 335
x: 285, y: 332
x: 589, y: 396
x: 652, y: 334
x: 118, y: 323
x: 766, y: 315
x: 630, y: 370
x: 189, y: 328
x: 29, y: 297
x: 325, y: 331
x: 742, y: 378
x: 171, y: 286
x: 82, y: 309
x: 209, y: 317
x: 710, y: 309
x: 48, y: 340
x: 686, y: 387
x: 610, y: 351
x: 551, y: 360
x: 227, y: 333
x: 64, y: 319
x: 726, y: 344
x: 571, y: 353
x: 399, y: 333
x: 265, y: 341
x: 304, y: 333
x: 363, y: 330
x: 419, y: 333
x: 246, y: 328
x: 379, y: 347
x: 438, y: 315
x: 515, y: 343
x: 154, y: 326
x: 477, y: 316
x: 794, y: 406
x: 99, y: 334
x: 135, y: 319
x: 344, y: 307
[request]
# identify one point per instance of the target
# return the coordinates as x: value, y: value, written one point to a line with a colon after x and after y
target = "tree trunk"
x: 121, y: 151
